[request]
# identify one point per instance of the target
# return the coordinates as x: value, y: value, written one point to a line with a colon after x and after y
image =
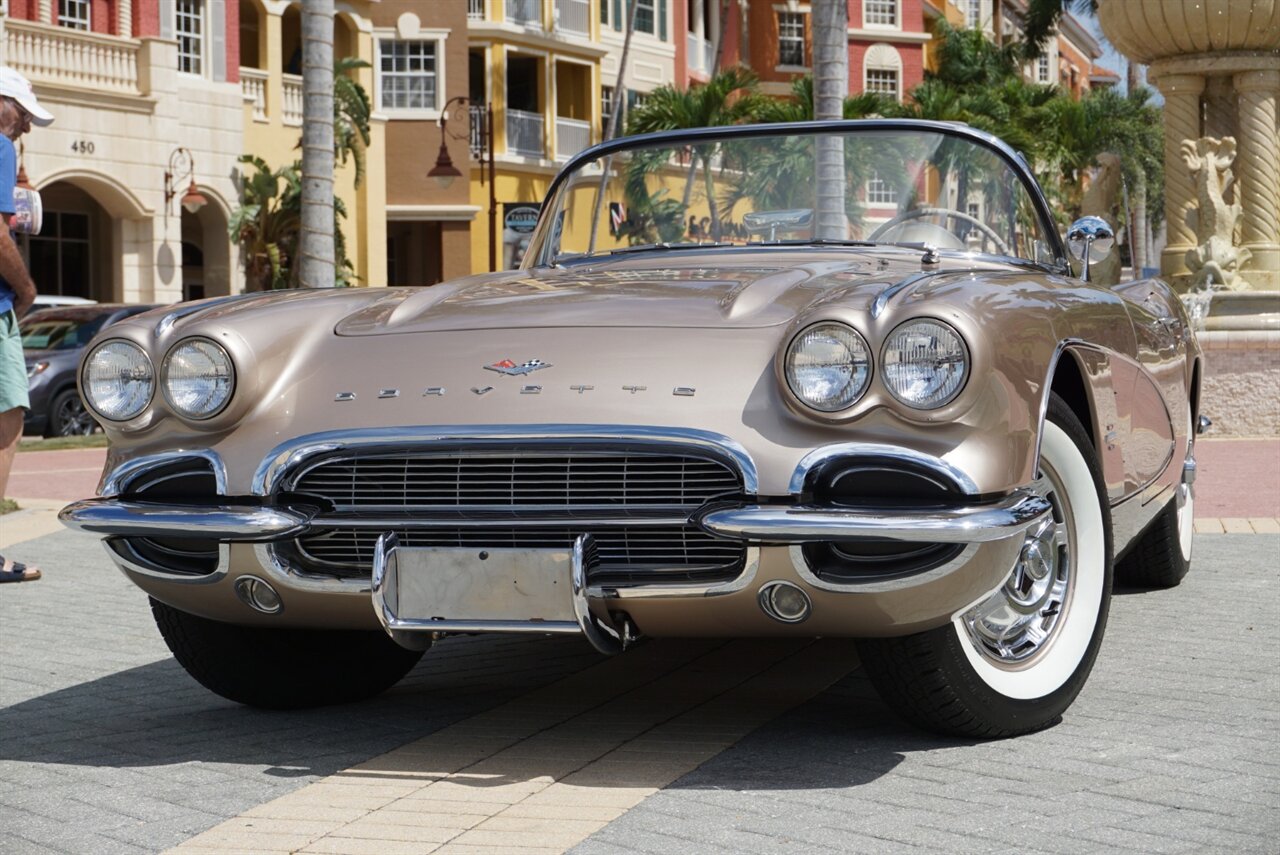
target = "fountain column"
x: 1258, y: 171
x: 1181, y: 121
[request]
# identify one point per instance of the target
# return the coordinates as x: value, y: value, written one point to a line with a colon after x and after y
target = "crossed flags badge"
x: 506, y: 366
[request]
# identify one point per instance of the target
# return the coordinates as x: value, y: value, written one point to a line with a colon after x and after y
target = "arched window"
x: 882, y: 71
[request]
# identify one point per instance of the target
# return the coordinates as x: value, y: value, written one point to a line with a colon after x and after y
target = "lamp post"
x: 182, y: 165
x: 444, y: 172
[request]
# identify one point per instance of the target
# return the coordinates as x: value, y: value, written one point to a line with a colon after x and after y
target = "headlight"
x: 118, y: 380
x: 36, y: 368
x: 925, y: 364
x: 828, y: 366
x: 198, y: 378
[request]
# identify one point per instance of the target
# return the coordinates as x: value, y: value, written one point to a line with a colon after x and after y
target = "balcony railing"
x: 291, y: 108
x: 479, y: 121
x: 475, y: 10
x: 524, y: 133
x: 573, y: 16
x: 526, y: 12
x: 253, y: 83
x: 572, y: 136
x: 72, y: 58
x: 700, y: 53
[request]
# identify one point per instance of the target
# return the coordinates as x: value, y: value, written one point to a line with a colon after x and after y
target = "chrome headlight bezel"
x: 165, y: 384
x: 953, y: 389
x: 87, y: 382
x: 851, y: 340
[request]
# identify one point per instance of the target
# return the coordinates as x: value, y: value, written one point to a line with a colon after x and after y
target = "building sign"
x: 518, y: 221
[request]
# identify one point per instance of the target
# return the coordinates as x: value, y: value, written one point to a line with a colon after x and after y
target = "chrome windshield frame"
x: 691, y: 136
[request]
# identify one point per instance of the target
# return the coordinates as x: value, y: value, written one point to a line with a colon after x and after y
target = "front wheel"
x: 1015, y: 661
x: 283, y: 668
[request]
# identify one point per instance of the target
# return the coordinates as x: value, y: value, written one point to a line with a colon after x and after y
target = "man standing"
x: 19, y: 110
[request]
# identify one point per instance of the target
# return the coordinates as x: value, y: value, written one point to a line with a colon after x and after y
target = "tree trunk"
x: 315, y: 238
x: 831, y: 87
x: 724, y: 28
x: 615, y: 121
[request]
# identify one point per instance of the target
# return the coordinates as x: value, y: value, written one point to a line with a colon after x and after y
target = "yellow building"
x: 271, y: 80
x: 537, y: 63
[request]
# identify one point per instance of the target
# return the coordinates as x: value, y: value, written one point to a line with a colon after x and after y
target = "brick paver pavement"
x: 106, y: 746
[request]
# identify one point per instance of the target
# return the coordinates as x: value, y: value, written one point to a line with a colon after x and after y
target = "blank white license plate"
x: 491, y: 584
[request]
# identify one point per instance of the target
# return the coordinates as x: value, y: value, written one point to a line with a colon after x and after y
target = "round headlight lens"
x: 925, y: 364
x: 828, y: 366
x: 118, y: 380
x: 198, y: 378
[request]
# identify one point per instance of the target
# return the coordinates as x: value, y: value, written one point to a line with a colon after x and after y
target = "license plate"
x: 533, y: 585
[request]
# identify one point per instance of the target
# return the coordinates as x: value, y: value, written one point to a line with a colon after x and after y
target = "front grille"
x: 508, y: 480
x: 496, y: 482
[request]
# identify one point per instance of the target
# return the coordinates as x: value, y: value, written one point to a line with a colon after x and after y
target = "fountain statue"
x: 1216, y: 260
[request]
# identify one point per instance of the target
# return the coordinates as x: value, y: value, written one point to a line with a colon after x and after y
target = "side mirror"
x: 1090, y: 239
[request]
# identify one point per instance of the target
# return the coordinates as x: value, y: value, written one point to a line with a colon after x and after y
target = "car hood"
x: 662, y: 290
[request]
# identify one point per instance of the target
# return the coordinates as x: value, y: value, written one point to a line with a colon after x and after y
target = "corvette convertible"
x: 822, y: 379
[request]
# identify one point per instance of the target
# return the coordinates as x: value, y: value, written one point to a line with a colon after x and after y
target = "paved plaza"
x: 495, y: 745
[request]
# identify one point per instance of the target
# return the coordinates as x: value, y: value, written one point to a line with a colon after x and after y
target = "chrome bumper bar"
x: 805, y: 523
x: 248, y: 523
x: 783, y: 524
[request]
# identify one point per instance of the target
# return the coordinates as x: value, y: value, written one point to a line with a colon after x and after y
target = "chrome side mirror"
x: 1090, y: 239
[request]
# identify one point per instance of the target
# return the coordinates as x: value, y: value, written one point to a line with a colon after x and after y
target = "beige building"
x: 135, y: 86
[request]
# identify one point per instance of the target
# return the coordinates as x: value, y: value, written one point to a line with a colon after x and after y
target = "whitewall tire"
x: 1012, y: 662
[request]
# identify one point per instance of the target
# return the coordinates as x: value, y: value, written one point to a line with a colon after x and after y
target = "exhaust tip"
x: 784, y: 602
x: 259, y: 595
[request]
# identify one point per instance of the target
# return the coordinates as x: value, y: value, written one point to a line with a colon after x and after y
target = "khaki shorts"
x: 13, y: 368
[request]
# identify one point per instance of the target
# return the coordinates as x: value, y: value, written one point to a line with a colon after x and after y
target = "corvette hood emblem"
x: 508, y: 367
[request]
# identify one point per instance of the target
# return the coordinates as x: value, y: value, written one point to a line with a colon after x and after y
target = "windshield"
x: 912, y: 186
x: 58, y: 333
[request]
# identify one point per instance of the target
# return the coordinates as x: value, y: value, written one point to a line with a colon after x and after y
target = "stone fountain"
x: 1218, y: 66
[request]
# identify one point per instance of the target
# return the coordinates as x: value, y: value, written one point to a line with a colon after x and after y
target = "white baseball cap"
x: 14, y: 85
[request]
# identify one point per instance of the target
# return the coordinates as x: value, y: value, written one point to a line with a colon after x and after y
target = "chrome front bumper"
x: 754, y: 523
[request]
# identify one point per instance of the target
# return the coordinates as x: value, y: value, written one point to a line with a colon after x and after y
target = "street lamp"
x: 182, y: 165
x: 444, y: 172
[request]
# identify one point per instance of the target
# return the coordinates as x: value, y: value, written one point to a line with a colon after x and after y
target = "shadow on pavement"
x: 156, y: 715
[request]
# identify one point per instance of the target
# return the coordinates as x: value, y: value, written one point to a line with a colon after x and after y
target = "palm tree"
x: 728, y: 98
x: 831, y: 77
x: 1043, y: 16
x: 316, y: 259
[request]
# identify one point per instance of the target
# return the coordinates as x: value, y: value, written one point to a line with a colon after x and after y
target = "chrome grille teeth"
x: 506, y: 482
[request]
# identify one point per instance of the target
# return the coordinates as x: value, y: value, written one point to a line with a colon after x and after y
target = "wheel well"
x: 1068, y: 383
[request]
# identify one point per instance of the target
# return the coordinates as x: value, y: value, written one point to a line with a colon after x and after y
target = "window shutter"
x: 218, y: 38
x: 617, y: 15
x: 662, y: 20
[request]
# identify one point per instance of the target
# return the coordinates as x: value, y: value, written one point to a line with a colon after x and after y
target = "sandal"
x: 14, y: 571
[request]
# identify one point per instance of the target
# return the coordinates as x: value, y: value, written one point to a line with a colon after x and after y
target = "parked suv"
x: 53, y: 341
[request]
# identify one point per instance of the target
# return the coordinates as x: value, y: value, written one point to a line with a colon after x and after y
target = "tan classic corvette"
x: 829, y: 379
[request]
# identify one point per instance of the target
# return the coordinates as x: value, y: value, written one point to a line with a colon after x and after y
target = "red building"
x: 886, y: 43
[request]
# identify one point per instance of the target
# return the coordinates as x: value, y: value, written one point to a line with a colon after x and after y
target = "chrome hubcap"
x: 1020, y: 619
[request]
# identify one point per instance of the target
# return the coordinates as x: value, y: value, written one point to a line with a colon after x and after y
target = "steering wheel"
x: 945, y: 213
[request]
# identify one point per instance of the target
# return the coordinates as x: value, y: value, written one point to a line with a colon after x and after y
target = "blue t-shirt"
x: 8, y: 179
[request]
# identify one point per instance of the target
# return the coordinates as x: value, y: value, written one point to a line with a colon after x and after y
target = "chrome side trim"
x: 115, y: 482
x: 150, y: 519
x: 819, y: 456
x: 287, y: 455
x: 129, y: 566
x: 877, y: 586
x: 984, y: 523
